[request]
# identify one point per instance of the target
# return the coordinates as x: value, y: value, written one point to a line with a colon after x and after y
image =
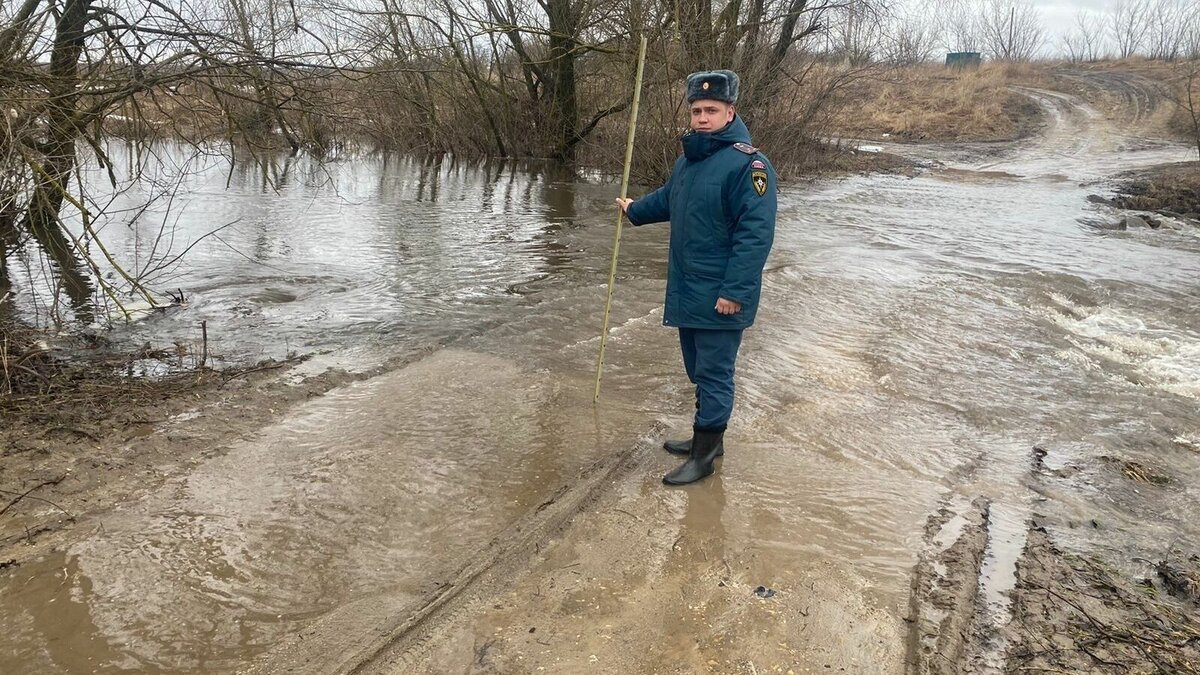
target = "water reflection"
x: 704, y: 516
x: 52, y: 612
x: 380, y: 249
x: 8, y: 242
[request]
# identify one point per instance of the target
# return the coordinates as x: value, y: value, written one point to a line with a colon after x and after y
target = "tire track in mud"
x: 1090, y: 130
x: 996, y: 581
x: 945, y: 606
x: 1134, y: 98
x: 944, y: 584
x: 394, y: 634
x: 1062, y: 136
x: 962, y: 584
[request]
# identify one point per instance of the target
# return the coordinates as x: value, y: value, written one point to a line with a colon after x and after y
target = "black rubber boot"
x: 685, y: 447
x: 705, y: 448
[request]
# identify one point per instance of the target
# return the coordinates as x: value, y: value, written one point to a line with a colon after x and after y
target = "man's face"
x: 708, y: 116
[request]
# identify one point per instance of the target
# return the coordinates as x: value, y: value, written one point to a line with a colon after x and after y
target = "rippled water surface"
x: 918, y: 337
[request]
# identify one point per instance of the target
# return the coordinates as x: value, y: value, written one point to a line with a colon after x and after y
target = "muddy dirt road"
x: 467, y: 510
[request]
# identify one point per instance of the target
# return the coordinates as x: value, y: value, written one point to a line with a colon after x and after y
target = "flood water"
x: 918, y: 337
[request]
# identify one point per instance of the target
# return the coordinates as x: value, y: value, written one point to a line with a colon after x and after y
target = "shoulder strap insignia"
x: 746, y: 148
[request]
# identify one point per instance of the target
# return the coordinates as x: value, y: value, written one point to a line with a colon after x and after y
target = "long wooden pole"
x: 612, y: 272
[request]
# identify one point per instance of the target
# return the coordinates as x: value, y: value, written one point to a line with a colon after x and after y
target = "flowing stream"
x: 918, y: 336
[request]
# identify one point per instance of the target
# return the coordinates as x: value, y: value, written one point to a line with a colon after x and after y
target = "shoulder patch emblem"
x: 758, y: 164
x: 746, y: 148
x: 758, y: 178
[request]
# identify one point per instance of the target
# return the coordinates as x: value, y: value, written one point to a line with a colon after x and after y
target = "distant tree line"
x: 1016, y: 30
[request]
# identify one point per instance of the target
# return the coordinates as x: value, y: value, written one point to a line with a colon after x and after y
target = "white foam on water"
x: 1159, y: 356
x: 1191, y: 441
x: 653, y: 317
x: 1077, y: 358
x: 1179, y: 371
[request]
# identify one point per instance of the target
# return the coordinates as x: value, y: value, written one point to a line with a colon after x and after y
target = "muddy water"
x: 918, y: 337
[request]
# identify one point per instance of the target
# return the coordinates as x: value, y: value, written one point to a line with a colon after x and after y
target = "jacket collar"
x: 699, y: 145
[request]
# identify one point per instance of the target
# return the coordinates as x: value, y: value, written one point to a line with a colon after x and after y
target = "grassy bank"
x: 933, y: 103
x: 1171, y: 187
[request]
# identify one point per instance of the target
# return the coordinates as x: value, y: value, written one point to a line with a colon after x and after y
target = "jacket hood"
x: 698, y: 145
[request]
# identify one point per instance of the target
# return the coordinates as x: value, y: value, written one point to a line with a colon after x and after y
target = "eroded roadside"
x: 1079, y: 595
x: 102, y: 436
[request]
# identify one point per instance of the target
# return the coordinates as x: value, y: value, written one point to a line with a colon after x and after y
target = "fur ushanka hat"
x: 714, y: 85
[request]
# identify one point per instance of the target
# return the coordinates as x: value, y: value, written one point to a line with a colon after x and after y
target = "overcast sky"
x: 1059, y: 15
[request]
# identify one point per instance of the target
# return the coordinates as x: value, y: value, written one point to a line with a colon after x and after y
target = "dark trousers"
x: 709, y: 357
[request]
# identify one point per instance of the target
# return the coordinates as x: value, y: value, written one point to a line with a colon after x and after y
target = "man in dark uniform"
x: 720, y: 201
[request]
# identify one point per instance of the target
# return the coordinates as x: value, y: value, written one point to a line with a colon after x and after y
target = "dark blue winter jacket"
x: 721, y: 203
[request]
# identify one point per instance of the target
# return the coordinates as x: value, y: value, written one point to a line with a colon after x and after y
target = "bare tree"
x: 1190, y: 32
x: 1186, y: 95
x: 1167, y: 32
x: 1192, y: 40
x: 547, y: 42
x: 962, y: 27
x: 1071, y: 46
x: 70, y: 65
x: 856, y: 32
x: 911, y: 36
x: 1012, y: 31
x: 1084, y: 40
x: 1128, y: 23
x: 1090, y: 27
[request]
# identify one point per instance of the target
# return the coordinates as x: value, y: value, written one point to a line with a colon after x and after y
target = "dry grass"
x: 934, y: 103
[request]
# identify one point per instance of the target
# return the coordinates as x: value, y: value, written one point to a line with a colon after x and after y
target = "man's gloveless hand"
x: 727, y: 306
